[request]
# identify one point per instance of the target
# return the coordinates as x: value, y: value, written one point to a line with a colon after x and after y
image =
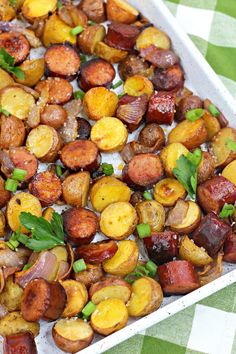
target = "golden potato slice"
x: 19, y: 203
x: 168, y: 191
x: 33, y: 70
x: 121, y: 11
x: 206, y: 167
x: 118, y: 220
x: 125, y: 259
x: 14, y: 323
x: 5, y: 78
x: 47, y: 213
x: 110, y: 134
x: 190, y: 134
x: 110, y: 288
x: 170, y: 154
x: 90, y: 37
x: 72, y: 335
x: 229, y: 172
x: 219, y: 146
x: 11, y: 295
x: 190, y: 221
x: 110, y: 316
x: 113, y: 55
x: 75, y: 189
x: 138, y: 85
x: 44, y: 142
x: 2, y: 224
x: 192, y: 253
x: 16, y: 101
x: 77, y: 297
x: 108, y: 190
x: 57, y: 31
x: 7, y: 12
x: 151, y: 212
x: 146, y: 297
x: 34, y: 9
x: 99, y: 102
x: 153, y: 36
x: 212, y: 125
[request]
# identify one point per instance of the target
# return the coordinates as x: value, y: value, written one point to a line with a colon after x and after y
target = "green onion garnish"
x: 83, y: 58
x: 11, y: 185
x: 194, y: 114
x: 144, y: 230
x: 227, y: 210
x: 213, y: 110
x: 79, y: 266
x: 118, y: 84
x: 79, y: 95
x: 91, y: 23
x: 19, y: 174
x: 77, y: 30
x: 121, y: 95
x: 231, y: 145
x: 152, y: 268
x: 107, y: 169
x: 59, y: 4
x: 12, y: 244
x: 88, y: 309
x: 59, y: 170
x: 27, y: 266
x: 147, y: 195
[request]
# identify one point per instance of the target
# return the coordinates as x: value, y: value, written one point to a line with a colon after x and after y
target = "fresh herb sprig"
x: 227, y: 210
x: 186, y: 171
x: 45, y: 235
x: 7, y: 62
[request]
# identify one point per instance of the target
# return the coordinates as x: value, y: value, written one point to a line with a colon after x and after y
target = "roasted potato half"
x: 2, y: 224
x: 99, y: 102
x: 192, y: 253
x: 90, y: 37
x: 153, y: 36
x: 110, y: 288
x: 113, y: 55
x: 32, y: 9
x: 18, y: 203
x: 229, y: 172
x: 146, y: 297
x: 118, y: 220
x: 151, y: 212
x: 110, y: 134
x: 77, y: 297
x: 33, y: 70
x: 138, y: 85
x: 12, y: 132
x: 168, y: 191
x: 11, y: 295
x: 124, y: 261
x: 75, y: 189
x: 121, y: 11
x: 5, y: 78
x: 57, y: 31
x: 212, y: 125
x: 110, y: 316
x: 170, y: 154
x: 14, y: 323
x: 108, y: 190
x: 206, y: 167
x: 220, y: 146
x: 190, y: 220
x: 7, y: 12
x: 72, y: 335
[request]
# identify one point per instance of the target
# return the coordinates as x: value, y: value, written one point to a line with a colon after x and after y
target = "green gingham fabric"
x: 209, y: 326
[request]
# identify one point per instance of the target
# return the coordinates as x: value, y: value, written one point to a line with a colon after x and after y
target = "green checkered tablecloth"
x: 209, y: 326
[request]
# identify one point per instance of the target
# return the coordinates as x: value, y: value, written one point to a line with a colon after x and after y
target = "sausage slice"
x: 161, y: 108
x: 53, y: 115
x: 122, y: 36
x: 25, y: 160
x: 19, y: 343
x: 96, y: 253
x: 16, y: 45
x: 60, y: 90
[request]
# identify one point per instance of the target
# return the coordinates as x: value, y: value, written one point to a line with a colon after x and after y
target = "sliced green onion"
x: 12, y: 244
x: 118, y: 84
x: 194, y: 114
x: 27, y: 266
x: 59, y: 4
x: 91, y: 23
x: 227, y: 210
x: 107, y: 169
x: 79, y: 95
x: 4, y: 111
x: 147, y: 195
x: 59, y: 170
x: 144, y: 230
x: 88, y: 309
x: 79, y: 266
x: 83, y: 58
x: 77, y: 30
x: 11, y: 185
x: 19, y: 174
x: 152, y: 268
x: 121, y: 95
x: 231, y: 145
x: 213, y: 110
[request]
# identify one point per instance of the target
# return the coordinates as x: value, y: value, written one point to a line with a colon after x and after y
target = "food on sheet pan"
x: 84, y: 242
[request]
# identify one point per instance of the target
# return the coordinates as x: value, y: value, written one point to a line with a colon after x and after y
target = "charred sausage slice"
x: 161, y: 108
x: 84, y: 129
x: 96, y: 253
x: 16, y: 45
x: 60, y: 90
x: 20, y: 343
x: 122, y: 36
x: 25, y: 160
x: 161, y: 58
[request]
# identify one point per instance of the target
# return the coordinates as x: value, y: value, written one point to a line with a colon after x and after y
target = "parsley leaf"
x: 7, y: 63
x: 227, y: 210
x: 231, y: 144
x: 45, y: 235
x: 186, y: 171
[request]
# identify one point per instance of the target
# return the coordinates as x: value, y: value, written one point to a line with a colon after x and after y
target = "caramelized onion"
x: 69, y: 131
x: 132, y: 109
x: 211, y: 271
x: 6, y: 163
x: 35, y: 111
x: 178, y: 213
x: 71, y: 257
x: 3, y: 311
x: 62, y: 270
x: 9, y: 258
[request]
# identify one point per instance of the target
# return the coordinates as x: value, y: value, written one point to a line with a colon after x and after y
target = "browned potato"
x: 206, y: 167
x: 90, y: 37
x: 53, y: 115
x: 33, y: 70
x: 192, y: 253
x: 4, y: 195
x: 48, y: 151
x: 134, y: 65
x: 212, y: 125
x: 118, y: 220
x: 190, y: 134
x: 5, y: 78
x: 2, y: 224
x: 77, y: 297
x: 33, y: 10
x: 146, y: 297
x: 138, y: 85
x: 220, y: 149
x: 170, y: 154
x: 152, y: 213
x: 99, y: 102
x: 7, y: 12
x: 153, y: 36
x: 110, y: 316
x: 95, y: 10
x: 72, y: 335
x: 91, y: 275
x: 110, y: 288
x: 168, y: 191
x: 11, y: 295
x: 229, y: 172
x: 152, y: 135
x: 124, y: 261
x: 75, y: 189
x: 121, y: 11
x: 12, y: 132
x: 113, y: 55
x: 57, y: 31
x: 14, y: 323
